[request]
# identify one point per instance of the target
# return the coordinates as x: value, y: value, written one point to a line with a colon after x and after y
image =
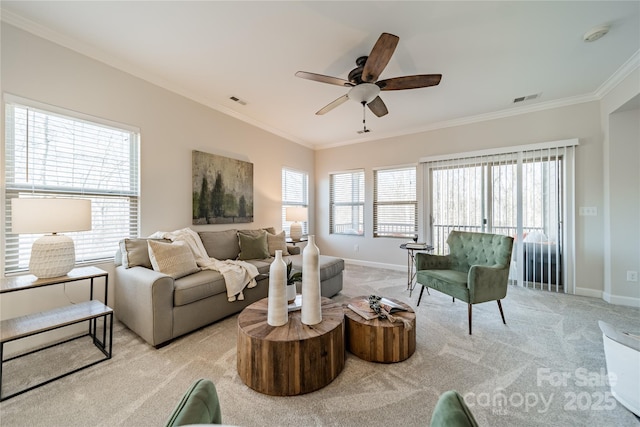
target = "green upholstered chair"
x: 476, y: 269
x: 199, y: 405
x: 451, y: 411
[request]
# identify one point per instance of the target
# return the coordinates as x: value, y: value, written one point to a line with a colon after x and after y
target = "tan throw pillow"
x: 277, y: 242
x: 172, y: 259
x: 253, y: 245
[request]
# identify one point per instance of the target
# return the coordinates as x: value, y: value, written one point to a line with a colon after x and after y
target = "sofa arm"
x: 144, y: 302
x: 426, y: 261
x: 487, y: 283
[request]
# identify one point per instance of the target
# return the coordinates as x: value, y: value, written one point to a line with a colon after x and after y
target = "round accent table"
x: 379, y: 340
x: 294, y: 358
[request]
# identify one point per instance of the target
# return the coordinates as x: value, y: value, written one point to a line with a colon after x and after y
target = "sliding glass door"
x: 519, y: 194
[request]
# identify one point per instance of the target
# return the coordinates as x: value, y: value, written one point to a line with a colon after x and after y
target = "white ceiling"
x: 488, y: 53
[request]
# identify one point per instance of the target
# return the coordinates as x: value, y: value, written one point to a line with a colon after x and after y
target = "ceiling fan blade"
x: 410, y: 82
x: 324, y: 79
x: 377, y: 107
x: 332, y: 105
x: 379, y: 57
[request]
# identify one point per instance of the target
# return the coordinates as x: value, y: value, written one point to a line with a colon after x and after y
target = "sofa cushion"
x: 253, y: 245
x: 207, y: 283
x: 263, y: 265
x: 221, y: 244
x: 329, y: 266
x: 195, y: 287
x: 135, y: 252
x: 277, y: 242
x: 172, y: 259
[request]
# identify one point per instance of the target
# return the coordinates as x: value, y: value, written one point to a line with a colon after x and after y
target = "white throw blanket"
x: 237, y: 274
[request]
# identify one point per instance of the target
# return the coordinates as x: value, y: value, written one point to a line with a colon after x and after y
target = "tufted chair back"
x: 467, y: 249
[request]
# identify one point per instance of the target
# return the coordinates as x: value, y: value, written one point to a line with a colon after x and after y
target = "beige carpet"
x: 506, y: 372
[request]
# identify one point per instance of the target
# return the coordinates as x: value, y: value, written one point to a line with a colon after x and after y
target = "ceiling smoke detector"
x: 595, y: 33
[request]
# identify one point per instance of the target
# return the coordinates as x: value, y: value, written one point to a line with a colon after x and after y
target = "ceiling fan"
x: 363, y: 80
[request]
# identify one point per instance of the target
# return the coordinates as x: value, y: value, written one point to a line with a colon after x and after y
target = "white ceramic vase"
x: 277, y: 314
x: 311, y: 305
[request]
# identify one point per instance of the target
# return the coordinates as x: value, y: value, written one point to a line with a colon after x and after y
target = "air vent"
x: 526, y: 98
x: 238, y: 100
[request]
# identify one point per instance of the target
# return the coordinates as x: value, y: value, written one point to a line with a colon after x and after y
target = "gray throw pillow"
x: 135, y: 252
x: 253, y: 245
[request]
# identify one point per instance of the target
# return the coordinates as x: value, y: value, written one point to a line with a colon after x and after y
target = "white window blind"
x: 50, y: 153
x: 347, y: 203
x: 525, y: 194
x: 295, y: 192
x: 395, y: 206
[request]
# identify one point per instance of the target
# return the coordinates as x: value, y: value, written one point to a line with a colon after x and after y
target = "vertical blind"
x: 395, y: 205
x: 520, y: 194
x: 347, y: 203
x: 295, y: 192
x: 54, y: 154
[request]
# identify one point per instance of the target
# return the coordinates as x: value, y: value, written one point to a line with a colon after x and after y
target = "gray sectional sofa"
x: 159, y: 307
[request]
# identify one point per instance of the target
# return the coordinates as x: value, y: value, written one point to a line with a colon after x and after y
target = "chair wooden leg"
x: 470, y: 305
x: 501, y: 313
x: 420, y: 297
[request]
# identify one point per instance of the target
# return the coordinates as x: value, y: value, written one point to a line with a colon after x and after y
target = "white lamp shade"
x: 50, y: 215
x: 297, y: 213
x: 51, y: 255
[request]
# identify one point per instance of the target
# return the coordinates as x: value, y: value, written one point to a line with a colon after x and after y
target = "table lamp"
x: 296, y: 214
x: 52, y: 255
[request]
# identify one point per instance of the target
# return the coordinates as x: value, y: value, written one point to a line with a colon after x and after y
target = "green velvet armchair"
x: 476, y: 269
x: 452, y: 411
x: 199, y: 405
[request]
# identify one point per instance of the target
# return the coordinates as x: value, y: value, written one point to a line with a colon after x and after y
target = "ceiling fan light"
x: 364, y: 92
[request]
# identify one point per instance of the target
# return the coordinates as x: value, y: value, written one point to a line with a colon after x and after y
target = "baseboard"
x: 586, y: 292
x: 375, y: 264
x: 620, y: 300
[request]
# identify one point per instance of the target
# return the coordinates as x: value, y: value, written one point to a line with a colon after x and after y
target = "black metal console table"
x: 87, y: 311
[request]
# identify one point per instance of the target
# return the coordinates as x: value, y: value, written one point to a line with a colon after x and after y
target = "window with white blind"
x: 295, y: 193
x: 54, y: 153
x: 347, y: 203
x: 524, y: 192
x: 395, y: 205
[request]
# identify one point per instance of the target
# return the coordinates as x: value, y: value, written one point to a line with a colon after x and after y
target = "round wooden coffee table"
x: 294, y: 358
x: 379, y: 340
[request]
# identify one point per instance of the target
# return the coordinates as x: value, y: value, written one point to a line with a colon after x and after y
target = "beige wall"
x: 621, y: 128
x: 577, y: 121
x: 171, y: 126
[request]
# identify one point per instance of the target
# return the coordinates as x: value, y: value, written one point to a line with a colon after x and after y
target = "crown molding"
x: 85, y: 49
x: 620, y: 74
x: 501, y: 114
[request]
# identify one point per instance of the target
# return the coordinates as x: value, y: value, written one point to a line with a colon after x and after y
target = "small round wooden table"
x: 380, y: 340
x: 294, y: 358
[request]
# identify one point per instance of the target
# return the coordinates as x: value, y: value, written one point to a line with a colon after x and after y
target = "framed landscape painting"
x: 222, y: 189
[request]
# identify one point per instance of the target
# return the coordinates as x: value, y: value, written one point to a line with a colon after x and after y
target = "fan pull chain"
x: 364, y: 121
